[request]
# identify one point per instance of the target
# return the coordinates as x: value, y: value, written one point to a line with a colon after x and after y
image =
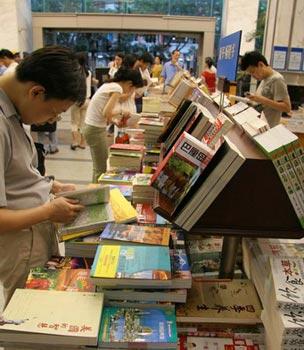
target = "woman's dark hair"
x: 125, y: 74
x: 146, y: 57
x: 6, y: 53
x: 83, y: 61
x: 129, y: 61
x: 209, y: 62
x: 252, y: 58
x: 120, y: 54
x: 58, y: 70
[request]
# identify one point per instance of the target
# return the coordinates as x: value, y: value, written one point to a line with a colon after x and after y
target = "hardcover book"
x: 131, y: 265
x: 52, y: 317
x: 116, y: 233
x: 138, y: 328
x: 116, y: 178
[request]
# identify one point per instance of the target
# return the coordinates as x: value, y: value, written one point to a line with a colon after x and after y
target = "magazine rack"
x: 253, y: 204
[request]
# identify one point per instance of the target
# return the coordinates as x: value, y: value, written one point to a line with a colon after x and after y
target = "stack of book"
x: 142, y: 190
x: 283, y: 314
x: 183, y: 90
x: 276, y: 267
x: 125, y: 157
x: 153, y: 128
x: 36, y: 318
x: 136, y: 136
x: 284, y: 149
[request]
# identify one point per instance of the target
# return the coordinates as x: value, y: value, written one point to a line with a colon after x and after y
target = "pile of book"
x: 125, y: 157
x: 182, y: 90
x: 142, y: 190
x: 153, y: 127
x: 276, y: 267
x: 221, y: 309
x: 287, y: 155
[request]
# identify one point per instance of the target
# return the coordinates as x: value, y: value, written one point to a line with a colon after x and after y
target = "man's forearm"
x: 14, y: 220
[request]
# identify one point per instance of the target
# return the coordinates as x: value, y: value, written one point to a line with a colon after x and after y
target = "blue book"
x: 137, y: 327
x: 131, y: 265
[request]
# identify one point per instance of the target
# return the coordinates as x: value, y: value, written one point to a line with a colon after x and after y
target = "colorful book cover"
x: 181, y: 274
x: 145, y: 214
x: 33, y: 313
x: 116, y: 178
x: 91, y: 217
x: 132, y: 262
x: 135, y: 325
x: 62, y: 273
x: 137, y: 234
x: 181, y: 167
x: 123, y: 210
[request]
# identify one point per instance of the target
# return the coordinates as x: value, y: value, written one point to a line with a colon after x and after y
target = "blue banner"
x: 227, y: 63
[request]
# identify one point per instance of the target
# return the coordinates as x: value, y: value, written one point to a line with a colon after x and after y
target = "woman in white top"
x: 101, y: 111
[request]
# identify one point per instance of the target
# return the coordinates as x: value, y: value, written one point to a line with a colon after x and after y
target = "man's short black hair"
x: 57, y: 69
x: 146, y: 57
x: 6, y: 53
x: 252, y: 58
x: 173, y: 52
x: 129, y: 60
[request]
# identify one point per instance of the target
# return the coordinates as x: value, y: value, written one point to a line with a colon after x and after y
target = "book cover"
x: 181, y: 167
x: 68, y: 317
x: 288, y: 282
x: 87, y: 196
x: 145, y: 214
x: 93, y: 216
x: 62, y: 273
x: 125, y: 264
x: 126, y: 147
x: 181, y: 274
x: 233, y: 301
x: 116, y: 178
x: 140, y: 326
x: 122, y: 209
x: 214, y: 343
x: 137, y: 234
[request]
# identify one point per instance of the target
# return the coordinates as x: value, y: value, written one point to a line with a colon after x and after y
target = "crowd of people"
x: 50, y: 81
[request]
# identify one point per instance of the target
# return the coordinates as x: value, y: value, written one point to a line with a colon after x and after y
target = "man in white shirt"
x: 7, y: 60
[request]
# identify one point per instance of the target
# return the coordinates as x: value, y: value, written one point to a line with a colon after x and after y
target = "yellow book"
x: 72, y: 235
x: 122, y: 209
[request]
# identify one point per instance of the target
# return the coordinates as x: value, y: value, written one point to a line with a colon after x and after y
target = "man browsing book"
x: 45, y: 84
x: 272, y: 92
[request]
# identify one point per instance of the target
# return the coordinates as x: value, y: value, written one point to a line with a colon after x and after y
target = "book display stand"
x: 253, y: 204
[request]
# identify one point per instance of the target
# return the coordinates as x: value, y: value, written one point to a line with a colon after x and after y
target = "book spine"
x: 298, y: 155
x: 289, y: 181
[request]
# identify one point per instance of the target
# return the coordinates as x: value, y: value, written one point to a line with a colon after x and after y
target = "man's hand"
x: 63, y: 210
x: 60, y: 187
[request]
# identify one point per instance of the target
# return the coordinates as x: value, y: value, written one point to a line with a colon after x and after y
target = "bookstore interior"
x: 191, y: 239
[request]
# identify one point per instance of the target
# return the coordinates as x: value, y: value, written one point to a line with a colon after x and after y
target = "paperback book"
x: 138, y: 328
x: 116, y: 233
x: 131, y: 265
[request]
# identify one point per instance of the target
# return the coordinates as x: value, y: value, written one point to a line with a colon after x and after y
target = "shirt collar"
x: 7, y: 106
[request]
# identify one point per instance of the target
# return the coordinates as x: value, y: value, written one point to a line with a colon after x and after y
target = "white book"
x: 246, y: 116
x: 52, y: 317
x: 288, y: 282
x: 236, y: 108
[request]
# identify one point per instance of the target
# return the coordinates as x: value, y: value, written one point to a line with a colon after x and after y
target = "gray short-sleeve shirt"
x: 21, y: 185
x: 274, y: 88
